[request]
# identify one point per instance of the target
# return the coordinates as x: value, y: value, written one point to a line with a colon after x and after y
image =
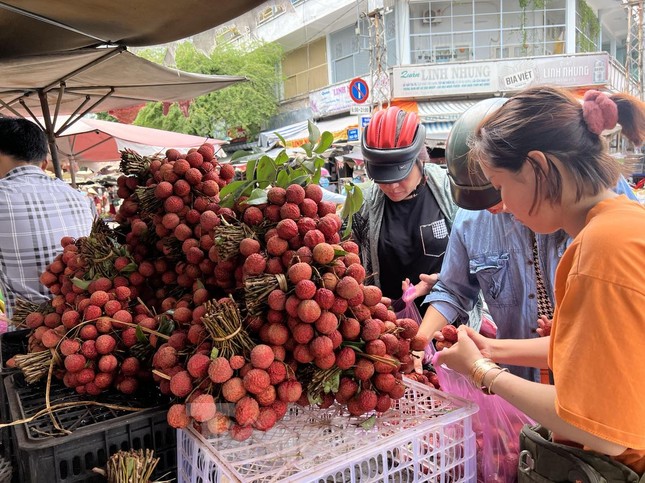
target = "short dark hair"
x: 22, y: 140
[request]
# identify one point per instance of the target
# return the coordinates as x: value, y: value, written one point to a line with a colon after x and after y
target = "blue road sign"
x: 352, y: 134
x: 358, y: 90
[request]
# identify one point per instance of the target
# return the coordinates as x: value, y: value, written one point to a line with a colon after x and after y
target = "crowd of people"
x: 547, y: 232
x: 529, y: 222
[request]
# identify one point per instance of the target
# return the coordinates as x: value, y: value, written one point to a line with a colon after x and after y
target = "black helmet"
x: 391, y: 143
x: 470, y: 188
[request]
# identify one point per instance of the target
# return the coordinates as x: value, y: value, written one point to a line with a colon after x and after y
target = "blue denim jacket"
x: 494, y: 254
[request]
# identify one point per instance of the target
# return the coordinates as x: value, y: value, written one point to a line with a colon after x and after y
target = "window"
x: 349, y: 48
x: 447, y: 31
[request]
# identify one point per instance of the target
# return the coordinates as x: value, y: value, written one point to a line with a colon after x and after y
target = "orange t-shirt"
x: 597, y: 350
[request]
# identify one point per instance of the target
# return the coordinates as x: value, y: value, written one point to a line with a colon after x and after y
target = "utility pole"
x: 635, y: 47
x: 381, y: 93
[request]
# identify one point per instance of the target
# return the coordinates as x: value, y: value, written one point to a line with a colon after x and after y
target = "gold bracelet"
x: 489, y: 390
x: 479, y: 370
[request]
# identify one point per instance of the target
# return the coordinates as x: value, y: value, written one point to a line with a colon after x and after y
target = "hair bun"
x: 599, y: 111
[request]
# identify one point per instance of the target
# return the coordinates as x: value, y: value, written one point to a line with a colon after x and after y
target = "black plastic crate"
x: 98, y: 432
x: 11, y: 343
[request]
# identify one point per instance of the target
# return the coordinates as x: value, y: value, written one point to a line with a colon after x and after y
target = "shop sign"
x: 331, y: 100
x: 352, y: 134
x: 499, y: 76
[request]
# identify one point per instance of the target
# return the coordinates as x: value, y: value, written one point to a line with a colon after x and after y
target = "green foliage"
x: 588, y: 28
x: 246, y: 105
x: 263, y: 172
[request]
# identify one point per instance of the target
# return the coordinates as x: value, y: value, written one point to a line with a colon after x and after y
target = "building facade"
x: 439, y: 57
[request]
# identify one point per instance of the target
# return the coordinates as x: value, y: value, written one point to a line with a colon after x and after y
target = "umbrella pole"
x: 49, y: 131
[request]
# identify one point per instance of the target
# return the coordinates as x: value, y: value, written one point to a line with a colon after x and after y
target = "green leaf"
x: 326, y: 139
x: 283, y: 179
x: 141, y: 336
x: 300, y: 179
x: 230, y: 188
x: 282, y: 141
x: 308, y: 148
x: 81, y: 283
x: 214, y: 353
x: 314, y: 400
x: 257, y: 197
x: 238, y: 154
x: 369, y: 423
x: 251, y: 166
x: 314, y: 132
x: 129, y: 268
x: 339, y: 253
x: 266, y: 170
x: 281, y: 158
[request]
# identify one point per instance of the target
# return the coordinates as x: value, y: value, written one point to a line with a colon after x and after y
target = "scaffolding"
x: 635, y: 48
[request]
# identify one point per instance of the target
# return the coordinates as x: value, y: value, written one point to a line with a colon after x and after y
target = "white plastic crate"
x: 426, y: 436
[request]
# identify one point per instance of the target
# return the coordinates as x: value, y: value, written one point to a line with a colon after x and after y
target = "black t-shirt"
x: 413, y: 240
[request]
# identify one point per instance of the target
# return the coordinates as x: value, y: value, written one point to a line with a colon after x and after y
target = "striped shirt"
x: 36, y: 212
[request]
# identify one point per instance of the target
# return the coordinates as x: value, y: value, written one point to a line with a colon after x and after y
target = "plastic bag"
x: 497, y: 426
x: 405, y: 308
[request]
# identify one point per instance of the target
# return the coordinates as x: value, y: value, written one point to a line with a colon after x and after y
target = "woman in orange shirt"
x: 544, y: 152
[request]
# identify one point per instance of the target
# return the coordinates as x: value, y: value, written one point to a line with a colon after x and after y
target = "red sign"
x: 358, y: 90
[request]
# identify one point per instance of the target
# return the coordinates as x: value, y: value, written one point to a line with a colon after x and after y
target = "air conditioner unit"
x: 430, y: 16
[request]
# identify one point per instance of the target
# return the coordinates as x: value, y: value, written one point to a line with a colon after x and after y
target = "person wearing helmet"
x: 402, y: 228
x: 492, y: 253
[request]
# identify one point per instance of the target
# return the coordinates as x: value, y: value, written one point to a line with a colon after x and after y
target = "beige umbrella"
x: 92, y: 80
x: 39, y: 26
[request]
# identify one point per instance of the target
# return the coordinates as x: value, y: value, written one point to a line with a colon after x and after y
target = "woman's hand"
x: 461, y: 356
x: 544, y: 326
x: 426, y: 282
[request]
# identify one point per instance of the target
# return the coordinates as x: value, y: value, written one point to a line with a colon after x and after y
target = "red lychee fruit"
x: 323, y: 253
x: 219, y: 370
x: 227, y: 172
x: 314, y: 192
x: 321, y: 346
x: 295, y: 194
x: 326, y: 323
x: 313, y: 238
x: 449, y: 333
x: 289, y: 210
x: 261, y: 356
x: 247, y: 411
x: 299, y: 271
x: 253, y: 216
x: 181, y: 384
x: 249, y: 246
x: 256, y: 381
x: 233, y: 389
x: 202, y: 408
x: 289, y: 391
x: 348, y: 288
x: 305, y: 289
x: 266, y: 419
x: 325, y: 298
x: 108, y: 363
x: 255, y: 264
x: 287, y: 228
x: 165, y: 357
x: 177, y: 416
x: 277, y: 195
x: 309, y: 311
x: 74, y: 362
x: 198, y: 365
x: 345, y: 358
x: 409, y: 328
x: 363, y: 370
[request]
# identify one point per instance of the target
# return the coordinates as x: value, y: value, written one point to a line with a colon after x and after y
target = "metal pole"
x: 49, y: 131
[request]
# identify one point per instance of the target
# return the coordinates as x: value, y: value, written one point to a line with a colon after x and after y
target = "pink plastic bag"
x: 405, y: 308
x: 497, y: 427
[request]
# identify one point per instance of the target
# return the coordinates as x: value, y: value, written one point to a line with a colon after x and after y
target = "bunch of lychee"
x: 90, y: 324
x: 171, y: 212
x: 235, y: 395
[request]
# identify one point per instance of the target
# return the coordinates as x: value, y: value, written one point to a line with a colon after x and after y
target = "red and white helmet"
x: 391, y: 144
